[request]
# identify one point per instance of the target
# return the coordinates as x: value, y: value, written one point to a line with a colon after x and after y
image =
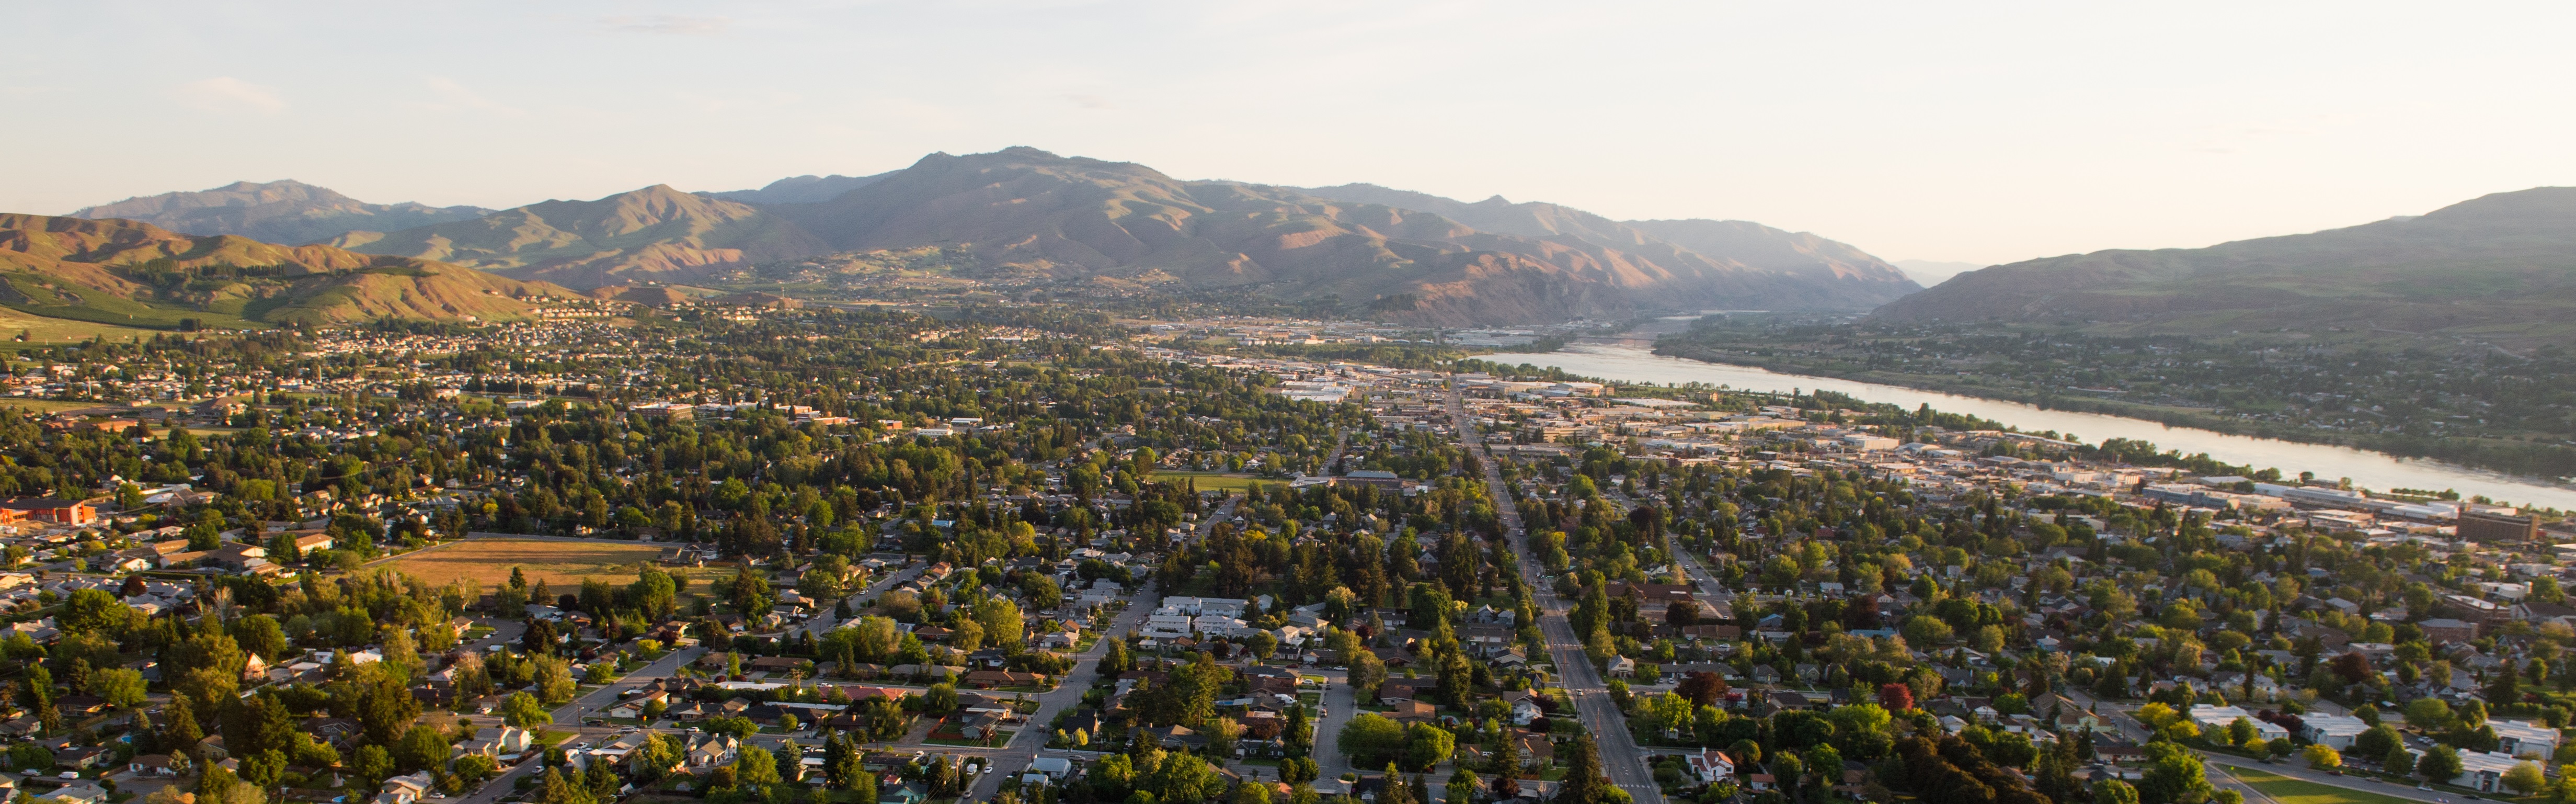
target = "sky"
x: 1973, y: 132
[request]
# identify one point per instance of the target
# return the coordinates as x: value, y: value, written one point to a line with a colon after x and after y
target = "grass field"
x: 2285, y: 790
x: 1215, y: 481
x: 43, y: 329
x: 562, y: 565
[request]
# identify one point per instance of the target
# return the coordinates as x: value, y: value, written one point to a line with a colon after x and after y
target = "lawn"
x: 2285, y: 790
x: 562, y: 565
x: 44, y: 329
x: 1216, y: 481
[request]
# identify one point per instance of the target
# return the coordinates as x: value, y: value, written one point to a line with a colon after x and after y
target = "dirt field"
x: 562, y: 565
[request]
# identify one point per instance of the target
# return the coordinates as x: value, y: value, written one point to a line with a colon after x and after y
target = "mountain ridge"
x: 283, y: 211
x: 648, y: 233
x: 2500, y: 266
x: 1024, y: 215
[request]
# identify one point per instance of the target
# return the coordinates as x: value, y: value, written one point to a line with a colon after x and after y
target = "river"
x: 1630, y: 362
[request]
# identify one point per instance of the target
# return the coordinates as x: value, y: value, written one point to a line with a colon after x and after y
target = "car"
x: 2423, y: 787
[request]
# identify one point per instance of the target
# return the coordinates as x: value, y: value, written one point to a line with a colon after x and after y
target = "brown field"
x: 562, y: 565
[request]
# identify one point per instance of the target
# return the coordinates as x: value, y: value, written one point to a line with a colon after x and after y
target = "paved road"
x: 824, y: 621
x: 1023, y: 748
x: 568, y: 717
x: 1620, y: 758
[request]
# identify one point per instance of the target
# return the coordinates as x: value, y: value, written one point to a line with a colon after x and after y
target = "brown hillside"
x: 653, y: 232
x: 121, y: 270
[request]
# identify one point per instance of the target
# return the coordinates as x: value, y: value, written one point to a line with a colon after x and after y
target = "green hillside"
x: 2500, y: 269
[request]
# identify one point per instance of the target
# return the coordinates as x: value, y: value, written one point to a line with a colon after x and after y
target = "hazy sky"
x: 1984, y: 132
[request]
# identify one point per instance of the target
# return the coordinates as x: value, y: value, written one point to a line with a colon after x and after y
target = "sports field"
x: 1216, y: 481
x: 562, y: 565
x: 2279, y: 789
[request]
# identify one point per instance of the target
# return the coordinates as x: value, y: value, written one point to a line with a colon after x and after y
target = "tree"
x: 754, y: 766
x: 1895, y: 697
x: 749, y: 592
x: 2174, y: 776
x: 424, y: 746
x: 2398, y: 761
x: 2376, y: 741
x: 1426, y: 745
x: 2441, y: 763
x: 2241, y: 731
x: 2322, y: 757
x: 1583, y: 781
x: 554, y: 680
x: 1701, y: 688
x: 2525, y: 778
x: 524, y: 711
x: 1001, y: 621
x: 1370, y: 736
x: 2428, y: 713
x: 123, y: 688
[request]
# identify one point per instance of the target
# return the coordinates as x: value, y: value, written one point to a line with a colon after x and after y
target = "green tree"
x: 1426, y: 745
x: 524, y: 711
x: 2398, y: 761
x: 1368, y: 735
x: 1584, y: 783
x: 2441, y: 763
x: 2174, y: 776
x: 2525, y: 778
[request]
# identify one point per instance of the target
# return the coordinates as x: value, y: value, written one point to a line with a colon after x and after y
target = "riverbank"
x: 1631, y: 362
x: 2539, y: 463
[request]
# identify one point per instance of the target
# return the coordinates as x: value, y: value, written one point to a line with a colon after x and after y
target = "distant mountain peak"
x: 282, y: 211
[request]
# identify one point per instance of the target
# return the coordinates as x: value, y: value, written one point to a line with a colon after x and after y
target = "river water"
x: 1630, y: 361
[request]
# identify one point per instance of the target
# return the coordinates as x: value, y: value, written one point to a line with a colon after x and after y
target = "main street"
x: 1620, y: 758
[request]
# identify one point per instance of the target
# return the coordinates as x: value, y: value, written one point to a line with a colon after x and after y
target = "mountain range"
x: 276, y: 212
x: 1024, y: 215
x: 132, y: 273
x: 2498, y: 268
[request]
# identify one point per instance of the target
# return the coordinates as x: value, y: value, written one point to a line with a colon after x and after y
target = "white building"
x: 2333, y: 731
x: 2516, y: 738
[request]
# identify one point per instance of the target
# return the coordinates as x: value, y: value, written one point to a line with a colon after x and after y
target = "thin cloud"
x: 666, y: 24
x: 455, y: 96
x: 229, y: 94
x: 1088, y: 101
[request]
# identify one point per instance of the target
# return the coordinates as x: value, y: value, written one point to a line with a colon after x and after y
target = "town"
x: 822, y: 555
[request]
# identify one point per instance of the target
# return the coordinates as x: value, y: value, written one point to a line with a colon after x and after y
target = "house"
x: 308, y: 544
x: 496, y: 743
x: 633, y: 708
x: 1623, y: 667
x: 1399, y: 690
x: 709, y: 751
x: 1051, y: 767
x: 82, y: 757
x: 1178, y: 738
x: 149, y: 765
x: 1526, y: 711
x: 77, y: 793
x: 405, y: 789
x: 1536, y: 750
x: 1711, y: 765
x: 238, y: 556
